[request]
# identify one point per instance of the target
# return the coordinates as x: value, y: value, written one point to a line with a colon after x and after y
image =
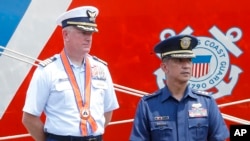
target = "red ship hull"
x: 128, y: 31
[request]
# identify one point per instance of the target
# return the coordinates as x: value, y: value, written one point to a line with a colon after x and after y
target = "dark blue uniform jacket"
x: 160, y: 117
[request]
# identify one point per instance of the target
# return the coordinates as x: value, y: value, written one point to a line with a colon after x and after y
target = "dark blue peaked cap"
x: 179, y: 46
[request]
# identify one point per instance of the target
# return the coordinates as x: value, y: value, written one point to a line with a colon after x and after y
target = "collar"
x: 166, y: 94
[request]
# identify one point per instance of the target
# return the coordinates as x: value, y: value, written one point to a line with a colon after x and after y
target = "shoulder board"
x: 199, y: 92
x: 45, y: 62
x: 149, y: 96
x: 98, y: 59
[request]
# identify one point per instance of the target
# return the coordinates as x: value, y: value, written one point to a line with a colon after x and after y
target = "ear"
x: 164, y: 67
x: 65, y: 34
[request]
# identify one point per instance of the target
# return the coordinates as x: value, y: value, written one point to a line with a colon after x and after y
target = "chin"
x: 86, y: 50
x: 185, y: 79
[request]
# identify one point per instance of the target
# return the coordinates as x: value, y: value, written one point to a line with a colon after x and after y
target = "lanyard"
x: 83, y: 109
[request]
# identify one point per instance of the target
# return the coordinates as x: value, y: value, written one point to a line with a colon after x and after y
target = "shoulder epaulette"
x: 149, y: 96
x: 199, y: 92
x: 47, y: 61
x: 98, y: 59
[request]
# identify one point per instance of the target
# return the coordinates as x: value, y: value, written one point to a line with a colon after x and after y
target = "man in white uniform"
x: 73, y: 88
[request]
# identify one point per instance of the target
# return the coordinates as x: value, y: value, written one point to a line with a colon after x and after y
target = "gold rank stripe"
x: 82, y: 23
x: 179, y: 51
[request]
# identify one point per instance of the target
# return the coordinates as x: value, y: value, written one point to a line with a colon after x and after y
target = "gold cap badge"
x: 185, y: 42
x: 91, y: 15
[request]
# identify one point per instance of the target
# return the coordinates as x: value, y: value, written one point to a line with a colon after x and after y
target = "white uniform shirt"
x: 50, y: 91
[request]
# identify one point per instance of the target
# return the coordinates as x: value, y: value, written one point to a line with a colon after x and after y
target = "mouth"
x: 85, y: 44
x: 186, y: 73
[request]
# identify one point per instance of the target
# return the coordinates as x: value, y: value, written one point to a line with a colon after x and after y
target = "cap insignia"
x: 91, y: 15
x: 185, y: 42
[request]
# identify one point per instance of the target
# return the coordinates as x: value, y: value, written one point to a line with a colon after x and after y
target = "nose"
x: 88, y: 38
x: 186, y: 63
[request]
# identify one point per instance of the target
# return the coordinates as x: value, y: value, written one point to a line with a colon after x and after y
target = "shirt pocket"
x: 162, y: 130
x: 63, y: 93
x: 99, y: 84
x: 198, y: 128
x: 63, y: 86
x: 99, y: 87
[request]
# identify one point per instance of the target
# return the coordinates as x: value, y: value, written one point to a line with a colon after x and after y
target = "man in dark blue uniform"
x: 178, y: 112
